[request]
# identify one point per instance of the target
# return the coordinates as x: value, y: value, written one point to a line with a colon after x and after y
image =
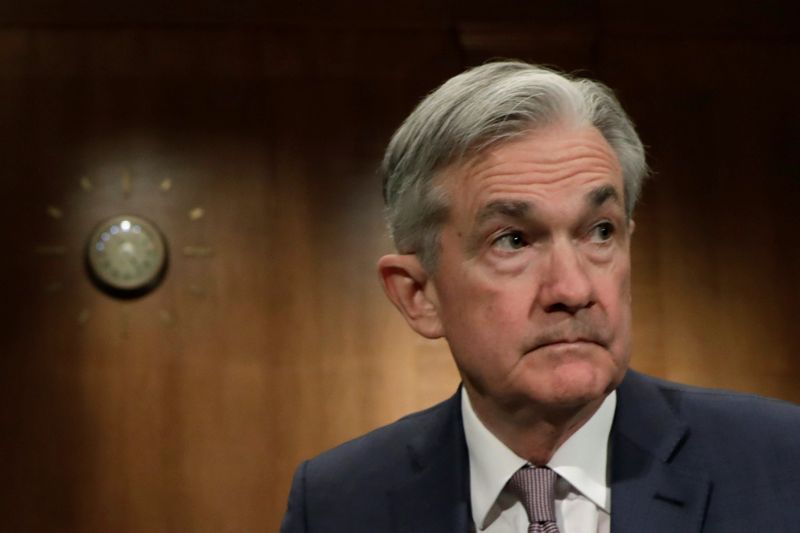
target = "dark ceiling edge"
x: 273, y: 24
x: 647, y: 32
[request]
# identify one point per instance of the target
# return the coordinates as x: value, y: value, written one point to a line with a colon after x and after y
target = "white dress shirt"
x: 583, y: 497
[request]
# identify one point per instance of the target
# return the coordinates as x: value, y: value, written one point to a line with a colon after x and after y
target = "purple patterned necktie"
x: 535, y: 487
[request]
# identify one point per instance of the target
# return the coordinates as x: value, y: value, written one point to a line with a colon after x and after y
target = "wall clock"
x: 126, y: 256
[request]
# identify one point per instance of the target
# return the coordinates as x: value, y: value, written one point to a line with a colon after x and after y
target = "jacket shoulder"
x: 729, y: 408
x: 378, y: 456
x: 745, y: 427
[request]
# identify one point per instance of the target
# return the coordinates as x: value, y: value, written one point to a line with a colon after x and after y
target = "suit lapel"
x: 652, y: 487
x: 435, y: 499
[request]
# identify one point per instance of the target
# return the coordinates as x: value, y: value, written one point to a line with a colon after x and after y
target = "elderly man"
x: 510, y: 191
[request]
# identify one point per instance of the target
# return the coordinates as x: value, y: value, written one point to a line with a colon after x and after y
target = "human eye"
x: 602, y: 233
x: 511, y: 240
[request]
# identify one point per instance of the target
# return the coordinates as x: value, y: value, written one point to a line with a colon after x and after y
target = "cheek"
x: 483, y: 317
x: 614, y: 287
x: 616, y: 302
x: 503, y: 301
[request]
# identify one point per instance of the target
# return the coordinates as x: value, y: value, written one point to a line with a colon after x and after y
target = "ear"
x: 631, y: 226
x: 408, y: 286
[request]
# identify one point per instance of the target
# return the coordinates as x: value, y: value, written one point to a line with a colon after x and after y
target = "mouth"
x: 565, y: 343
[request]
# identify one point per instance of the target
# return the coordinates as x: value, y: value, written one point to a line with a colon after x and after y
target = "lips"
x: 564, y: 342
x: 573, y: 332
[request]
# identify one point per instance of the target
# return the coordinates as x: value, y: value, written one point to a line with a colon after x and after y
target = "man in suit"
x: 510, y: 192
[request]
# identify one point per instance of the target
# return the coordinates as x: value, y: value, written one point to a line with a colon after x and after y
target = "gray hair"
x: 481, y: 108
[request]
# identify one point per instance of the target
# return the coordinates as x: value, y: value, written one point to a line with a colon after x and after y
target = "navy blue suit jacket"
x: 683, y: 460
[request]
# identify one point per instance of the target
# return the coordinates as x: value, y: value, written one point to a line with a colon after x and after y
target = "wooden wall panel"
x: 187, y: 410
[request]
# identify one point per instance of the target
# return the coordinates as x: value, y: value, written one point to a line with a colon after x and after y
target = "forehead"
x: 550, y: 168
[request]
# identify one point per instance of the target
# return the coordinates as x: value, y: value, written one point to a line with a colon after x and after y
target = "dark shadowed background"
x: 250, y: 133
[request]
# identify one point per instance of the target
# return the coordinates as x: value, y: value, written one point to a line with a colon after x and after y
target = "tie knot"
x: 535, y: 488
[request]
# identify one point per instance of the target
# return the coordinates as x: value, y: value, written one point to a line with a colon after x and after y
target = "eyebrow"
x: 519, y: 209
x: 597, y: 197
x: 508, y: 208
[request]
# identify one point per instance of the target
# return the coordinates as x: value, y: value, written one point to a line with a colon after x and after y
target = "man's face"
x: 533, y: 279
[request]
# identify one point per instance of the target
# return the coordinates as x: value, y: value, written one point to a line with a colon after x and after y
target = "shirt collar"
x: 581, y: 459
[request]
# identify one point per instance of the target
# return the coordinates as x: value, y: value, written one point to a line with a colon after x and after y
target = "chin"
x: 577, y: 383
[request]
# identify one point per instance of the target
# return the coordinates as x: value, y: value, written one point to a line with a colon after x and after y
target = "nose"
x: 565, y: 282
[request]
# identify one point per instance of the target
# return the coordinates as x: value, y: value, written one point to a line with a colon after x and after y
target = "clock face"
x: 126, y: 256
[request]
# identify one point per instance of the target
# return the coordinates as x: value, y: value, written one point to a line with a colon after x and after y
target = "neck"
x: 533, y: 432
